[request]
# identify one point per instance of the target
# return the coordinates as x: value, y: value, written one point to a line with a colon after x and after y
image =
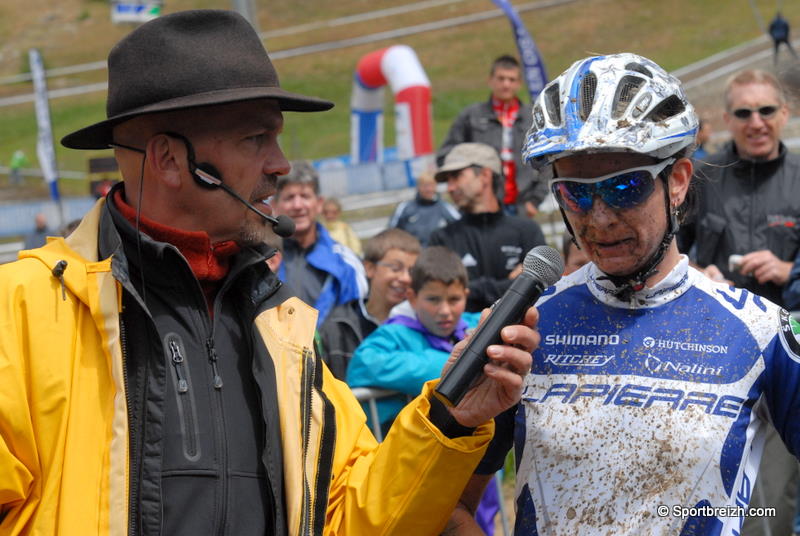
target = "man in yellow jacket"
x: 156, y: 378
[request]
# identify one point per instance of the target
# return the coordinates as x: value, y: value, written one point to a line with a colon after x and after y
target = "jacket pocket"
x: 710, y: 230
x: 783, y: 241
x: 187, y: 411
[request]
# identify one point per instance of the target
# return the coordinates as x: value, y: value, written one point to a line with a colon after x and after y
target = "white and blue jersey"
x: 660, y: 403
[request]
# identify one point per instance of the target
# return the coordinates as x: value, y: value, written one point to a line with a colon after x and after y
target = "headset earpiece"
x: 206, y: 175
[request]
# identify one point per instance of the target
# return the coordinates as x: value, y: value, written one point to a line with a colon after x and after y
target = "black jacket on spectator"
x: 478, y: 123
x: 744, y: 206
x: 491, y: 245
x: 343, y: 330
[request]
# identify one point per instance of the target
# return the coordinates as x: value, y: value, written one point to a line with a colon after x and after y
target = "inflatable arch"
x: 398, y: 66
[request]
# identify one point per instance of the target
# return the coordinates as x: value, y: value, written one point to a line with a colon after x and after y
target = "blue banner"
x: 532, y: 64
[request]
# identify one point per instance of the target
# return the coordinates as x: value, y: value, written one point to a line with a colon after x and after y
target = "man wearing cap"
x: 502, y: 121
x: 157, y: 378
x: 491, y: 243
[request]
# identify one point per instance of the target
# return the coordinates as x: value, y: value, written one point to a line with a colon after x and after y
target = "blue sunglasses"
x: 621, y: 189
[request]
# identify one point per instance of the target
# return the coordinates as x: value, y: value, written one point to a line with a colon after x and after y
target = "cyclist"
x: 653, y: 385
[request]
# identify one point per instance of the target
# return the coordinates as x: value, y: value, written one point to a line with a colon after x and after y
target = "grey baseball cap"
x: 464, y: 155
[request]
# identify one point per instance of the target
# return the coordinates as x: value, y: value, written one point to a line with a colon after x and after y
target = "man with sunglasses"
x: 646, y: 407
x: 749, y: 202
x: 746, y: 230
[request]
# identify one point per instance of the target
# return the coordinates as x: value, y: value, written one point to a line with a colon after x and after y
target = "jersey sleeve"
x: 782, y: 381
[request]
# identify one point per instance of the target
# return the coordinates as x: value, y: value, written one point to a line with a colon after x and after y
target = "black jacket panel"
x: 490, y: 245
x: 745, y: 206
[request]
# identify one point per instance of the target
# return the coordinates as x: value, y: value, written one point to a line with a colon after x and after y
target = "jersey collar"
x: 678, y: 281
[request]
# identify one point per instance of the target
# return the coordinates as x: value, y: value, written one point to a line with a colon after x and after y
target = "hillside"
x: 69, y: 32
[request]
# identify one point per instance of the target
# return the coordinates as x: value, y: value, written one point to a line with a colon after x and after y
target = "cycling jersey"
x: 660, y: 402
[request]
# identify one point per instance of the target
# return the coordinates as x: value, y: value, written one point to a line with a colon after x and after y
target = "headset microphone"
x: 207, y: 176
x: 283, y: 226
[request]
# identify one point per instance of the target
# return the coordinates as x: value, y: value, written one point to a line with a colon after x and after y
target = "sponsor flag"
x: 44, y: 142
x: 532, y: 63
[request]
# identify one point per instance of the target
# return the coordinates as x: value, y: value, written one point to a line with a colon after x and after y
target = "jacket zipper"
x: 212, y: 357
x: 306, y: 393
x: 133, y: 481
x: 222, y: 438
x: 184, y: 399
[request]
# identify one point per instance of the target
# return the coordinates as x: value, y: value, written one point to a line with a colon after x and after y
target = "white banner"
x: 44, y: 143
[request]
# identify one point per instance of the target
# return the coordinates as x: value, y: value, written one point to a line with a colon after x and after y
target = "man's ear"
x: 166, y: 157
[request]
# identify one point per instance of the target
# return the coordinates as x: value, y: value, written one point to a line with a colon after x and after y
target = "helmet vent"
x: 552, y: 103
x: 627, y: 89
x: 588, y: 89
x: 639, y: 68
x: 669, y: 107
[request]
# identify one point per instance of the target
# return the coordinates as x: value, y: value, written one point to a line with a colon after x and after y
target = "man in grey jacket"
x: 746, y: 230
x: 502, y: 121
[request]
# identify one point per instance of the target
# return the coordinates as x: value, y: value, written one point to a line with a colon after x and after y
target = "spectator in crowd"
x: 322, y: 272
x: 157, y: 378
x: 491, y: 244
x: 748, y: 203
x: 574, y: 256
x: 779, y: 32
x: 746, y: 230
x: 18, y: 160
x: 425, y: 213
x: 703, y: 136
x: 388, y: 259
x: 502, y: 122
x: 38, y: 237
x: 339, y: 230
x: 412, y: 346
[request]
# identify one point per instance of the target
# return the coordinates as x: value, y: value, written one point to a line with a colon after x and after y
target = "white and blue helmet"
x: 619, y: 103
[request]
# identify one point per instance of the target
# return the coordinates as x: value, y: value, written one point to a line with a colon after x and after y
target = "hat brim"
x: 99, y: 135
x: 447, y: 168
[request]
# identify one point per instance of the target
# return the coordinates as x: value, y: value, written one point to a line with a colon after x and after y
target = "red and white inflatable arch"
x: 399, y: 67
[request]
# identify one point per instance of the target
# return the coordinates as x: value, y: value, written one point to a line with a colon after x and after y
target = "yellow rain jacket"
x: 64, y: 424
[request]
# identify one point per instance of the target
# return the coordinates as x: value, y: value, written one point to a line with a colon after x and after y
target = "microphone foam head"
x: 284, y: 227
x: 544, y: 263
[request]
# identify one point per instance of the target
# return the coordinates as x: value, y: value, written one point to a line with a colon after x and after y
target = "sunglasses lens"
x: 767, y: 111
x: 627, y: 190
x: 764, y: 111
x: 574, y: 196
x: 622, y: 191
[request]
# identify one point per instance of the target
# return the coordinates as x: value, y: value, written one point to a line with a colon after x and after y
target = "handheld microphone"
x: 282, y: 225
x: 542, y: 267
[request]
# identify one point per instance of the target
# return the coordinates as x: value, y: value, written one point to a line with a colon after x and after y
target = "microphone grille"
x: 545, y: 263
x: 284, y: 226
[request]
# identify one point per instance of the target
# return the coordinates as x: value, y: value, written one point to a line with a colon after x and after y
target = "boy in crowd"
x: 411, y: 347
x: 388, y: 258
x: 415, y: 342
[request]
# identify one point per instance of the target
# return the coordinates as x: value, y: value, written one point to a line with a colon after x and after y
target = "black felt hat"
x: 184, y: 60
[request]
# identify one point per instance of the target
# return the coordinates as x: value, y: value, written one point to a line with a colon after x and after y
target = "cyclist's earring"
x: 674, y: 215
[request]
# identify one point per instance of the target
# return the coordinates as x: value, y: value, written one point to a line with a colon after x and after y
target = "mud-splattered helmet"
x: 618, y: 103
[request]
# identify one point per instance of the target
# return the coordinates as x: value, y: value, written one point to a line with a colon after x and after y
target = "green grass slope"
x: 67, y: 32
